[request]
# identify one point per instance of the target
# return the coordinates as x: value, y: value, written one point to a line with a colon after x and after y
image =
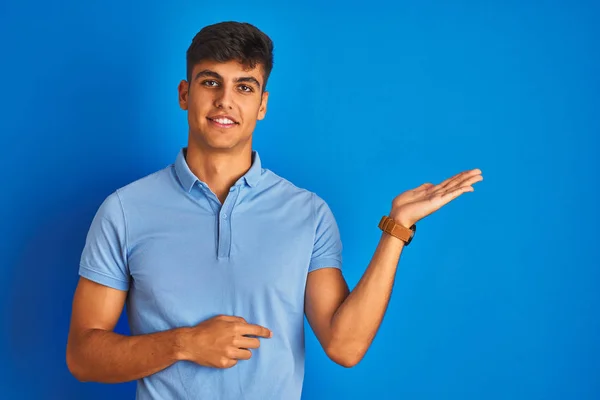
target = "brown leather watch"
x: 403, y: 233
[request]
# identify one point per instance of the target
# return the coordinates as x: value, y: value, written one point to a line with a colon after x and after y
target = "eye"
x: 210, y: 83
x: 246, y: 88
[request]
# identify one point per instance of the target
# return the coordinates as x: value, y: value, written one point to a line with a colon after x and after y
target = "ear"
x: 263, y: 106
x: 183, y: 90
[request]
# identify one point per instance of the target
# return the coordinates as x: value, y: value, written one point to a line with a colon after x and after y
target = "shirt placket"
x: 224, y: 223
x: 223, y: 218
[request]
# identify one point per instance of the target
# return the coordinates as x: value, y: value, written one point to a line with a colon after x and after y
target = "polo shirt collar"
x: 188, y: 179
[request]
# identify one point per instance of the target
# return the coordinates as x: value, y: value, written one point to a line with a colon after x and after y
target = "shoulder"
x: 149, y: 186
x: 289, y: 190
x: 151, y: 183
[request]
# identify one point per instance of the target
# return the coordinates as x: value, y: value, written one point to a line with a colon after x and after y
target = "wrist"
x: 400, y: 219
x: 180, y: 340
x: 389, y: 239
x: 399, y: 228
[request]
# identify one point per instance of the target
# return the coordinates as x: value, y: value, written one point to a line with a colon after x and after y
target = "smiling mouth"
x: 222, y: 122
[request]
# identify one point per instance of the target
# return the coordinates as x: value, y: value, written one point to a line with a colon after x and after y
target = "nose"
x: 223, y: 99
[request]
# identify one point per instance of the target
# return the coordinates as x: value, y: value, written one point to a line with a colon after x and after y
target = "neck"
x: 219, y: 169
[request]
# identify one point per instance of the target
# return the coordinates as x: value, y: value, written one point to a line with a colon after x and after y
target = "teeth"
x: 224, y: 121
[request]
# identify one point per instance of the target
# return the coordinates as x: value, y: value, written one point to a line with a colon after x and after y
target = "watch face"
x: 414, y: 230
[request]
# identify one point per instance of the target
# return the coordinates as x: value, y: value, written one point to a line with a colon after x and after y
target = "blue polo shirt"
x: 184, y: 257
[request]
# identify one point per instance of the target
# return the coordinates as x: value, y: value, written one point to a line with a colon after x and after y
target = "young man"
x: 218, y: 259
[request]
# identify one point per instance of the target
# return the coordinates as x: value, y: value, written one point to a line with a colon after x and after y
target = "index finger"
x: 255, y: 330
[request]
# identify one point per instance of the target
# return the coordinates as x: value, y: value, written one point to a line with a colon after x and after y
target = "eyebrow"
x: 213, y: 74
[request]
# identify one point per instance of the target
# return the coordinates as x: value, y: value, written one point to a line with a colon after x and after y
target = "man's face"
x: 223, y: 101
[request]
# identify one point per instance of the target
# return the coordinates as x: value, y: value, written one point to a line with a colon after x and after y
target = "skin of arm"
x: 96, y: 353
x: 345, y: 322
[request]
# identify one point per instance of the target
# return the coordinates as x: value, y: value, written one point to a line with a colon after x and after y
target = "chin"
x: 223, y: 139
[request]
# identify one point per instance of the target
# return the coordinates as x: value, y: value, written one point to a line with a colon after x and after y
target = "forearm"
x: 107, y: 357
x: 358, y: 318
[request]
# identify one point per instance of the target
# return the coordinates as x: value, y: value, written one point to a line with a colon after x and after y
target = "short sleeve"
x: 104, y: 256
x: 327, y: 248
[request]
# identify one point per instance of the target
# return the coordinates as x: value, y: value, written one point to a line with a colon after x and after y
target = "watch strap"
x: 393, y: 228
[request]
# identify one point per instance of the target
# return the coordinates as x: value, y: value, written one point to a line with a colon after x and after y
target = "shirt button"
x: 225, y: 216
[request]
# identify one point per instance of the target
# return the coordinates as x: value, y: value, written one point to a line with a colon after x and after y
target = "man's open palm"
x: 413, y: 205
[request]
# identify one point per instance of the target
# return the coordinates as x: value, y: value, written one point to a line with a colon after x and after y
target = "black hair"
x: 227, y: 41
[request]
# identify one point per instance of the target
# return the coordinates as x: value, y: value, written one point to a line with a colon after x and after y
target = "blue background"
x: 496, y: 298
